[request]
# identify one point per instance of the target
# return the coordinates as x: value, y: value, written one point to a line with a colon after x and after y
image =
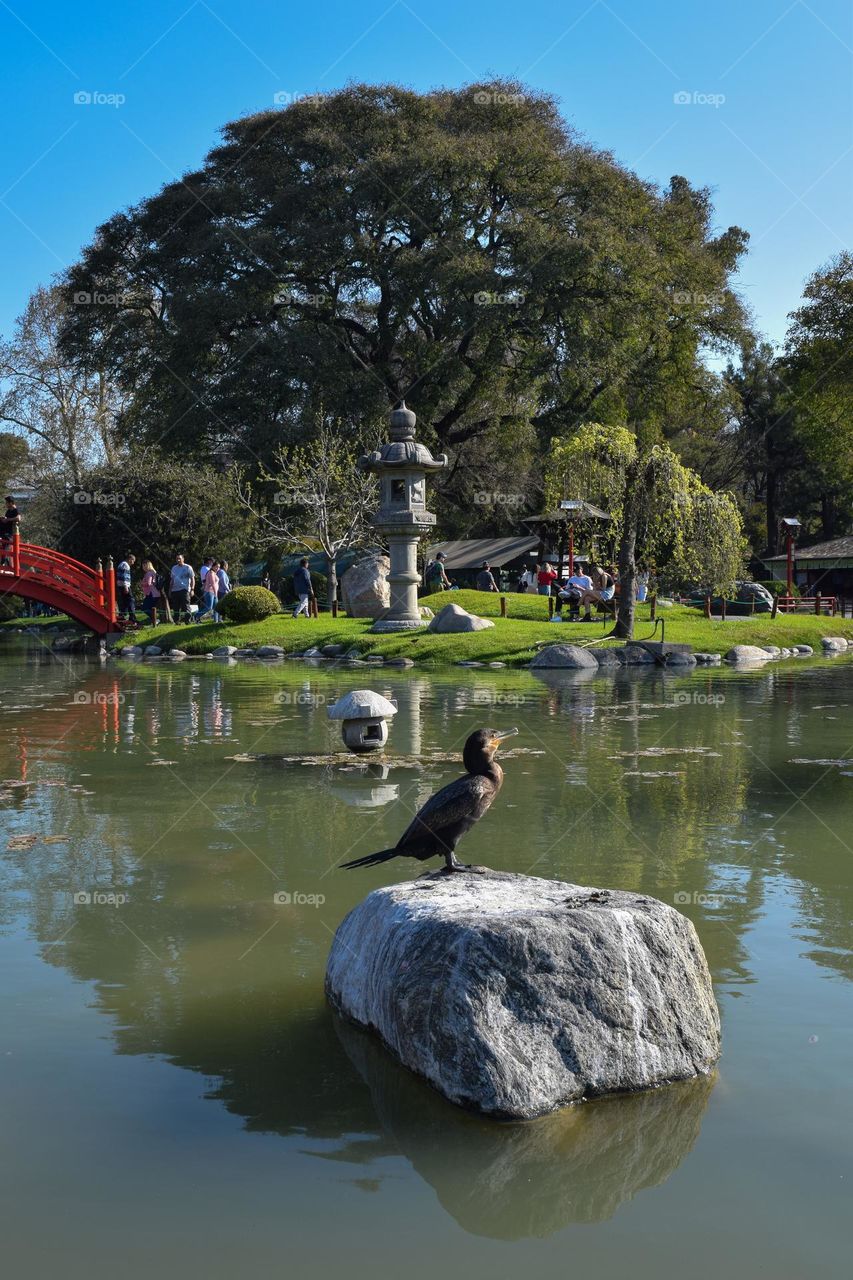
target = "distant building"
x: 827, y: 567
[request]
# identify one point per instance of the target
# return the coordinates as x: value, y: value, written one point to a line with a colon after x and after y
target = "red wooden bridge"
x: 37, y: 573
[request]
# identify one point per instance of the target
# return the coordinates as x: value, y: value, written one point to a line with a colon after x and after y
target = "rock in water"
x: 564, y: 655
x: 515, y: 995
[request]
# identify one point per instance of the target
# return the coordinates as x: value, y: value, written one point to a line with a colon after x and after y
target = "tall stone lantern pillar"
x: 402, y: 465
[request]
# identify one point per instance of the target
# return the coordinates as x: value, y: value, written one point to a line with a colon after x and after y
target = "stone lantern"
x: 365, y: 716
x: 402, y: 465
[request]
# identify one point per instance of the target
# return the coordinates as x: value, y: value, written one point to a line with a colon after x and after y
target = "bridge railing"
x: 90, y: 586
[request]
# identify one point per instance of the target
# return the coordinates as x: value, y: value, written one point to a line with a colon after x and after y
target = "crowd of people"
x: 170, y: 595
x: 584, y: 587
x: 589, y: 584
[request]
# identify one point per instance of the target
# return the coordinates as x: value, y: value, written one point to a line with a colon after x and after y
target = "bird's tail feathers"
x: 372, y: 859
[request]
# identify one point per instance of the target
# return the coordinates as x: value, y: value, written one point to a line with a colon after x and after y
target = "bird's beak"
x: 497, y: 738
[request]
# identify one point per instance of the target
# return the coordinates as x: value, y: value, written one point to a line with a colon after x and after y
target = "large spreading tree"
x: 462, y: 248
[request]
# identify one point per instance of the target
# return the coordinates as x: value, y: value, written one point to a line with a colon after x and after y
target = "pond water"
x: 176, y: 1097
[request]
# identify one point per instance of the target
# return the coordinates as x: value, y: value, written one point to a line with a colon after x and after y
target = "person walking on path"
x: 485, y: 580
x: 9, y: 526
x: 544, y: 578
x: 526, y: 584
x: 303, y: 588
x: 224, y: 585
x: 436, y: 575
x: 125, y: 603
x: 181, y: 585
x: 209, y: 584
x: 150, y: 591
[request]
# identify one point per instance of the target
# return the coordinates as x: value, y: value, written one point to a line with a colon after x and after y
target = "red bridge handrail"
x: 87, y: 594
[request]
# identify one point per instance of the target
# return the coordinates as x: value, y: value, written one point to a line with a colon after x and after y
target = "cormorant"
x: 437, y: 828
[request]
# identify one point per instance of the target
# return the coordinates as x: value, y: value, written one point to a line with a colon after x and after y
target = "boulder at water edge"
x: 747, y: 653
x: 454, y: 618
x: 563, y: 655
x: 514, y: 995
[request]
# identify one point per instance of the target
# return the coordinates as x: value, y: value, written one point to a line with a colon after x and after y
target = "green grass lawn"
x: 15, y: 624
x: 513, y: 640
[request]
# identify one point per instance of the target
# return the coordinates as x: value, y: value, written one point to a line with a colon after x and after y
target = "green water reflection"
x: 155, y: 821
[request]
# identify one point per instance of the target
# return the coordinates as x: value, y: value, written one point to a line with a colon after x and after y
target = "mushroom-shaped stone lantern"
x: 365, y: 716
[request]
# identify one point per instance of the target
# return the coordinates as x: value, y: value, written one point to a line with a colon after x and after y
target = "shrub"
x: 249, y: 604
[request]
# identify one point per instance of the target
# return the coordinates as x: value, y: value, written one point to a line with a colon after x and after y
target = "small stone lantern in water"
x: 402, y: 465
x: 365, y: 716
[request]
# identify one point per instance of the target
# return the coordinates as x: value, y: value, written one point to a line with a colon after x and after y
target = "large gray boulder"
x: 365, y: 592
x: 834, y: 644
x: 747, y: 653
x: 514, y: 995
x: 453, y: 618
x: 563, y: 655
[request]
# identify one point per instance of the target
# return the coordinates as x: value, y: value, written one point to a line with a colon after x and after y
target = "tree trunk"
x: 331, y: 580
x: 771, y: 501
x: 624, y: 627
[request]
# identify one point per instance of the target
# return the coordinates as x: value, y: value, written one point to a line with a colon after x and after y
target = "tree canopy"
x: 463, y: 248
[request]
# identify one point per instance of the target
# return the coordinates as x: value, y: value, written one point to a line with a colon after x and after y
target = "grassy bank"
x: 18, y: 624
x: 512, y: 640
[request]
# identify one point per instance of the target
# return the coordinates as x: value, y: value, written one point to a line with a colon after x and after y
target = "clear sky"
x: 768, y: 124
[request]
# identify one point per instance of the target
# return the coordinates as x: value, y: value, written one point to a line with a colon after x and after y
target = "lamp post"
x: 402, y: 466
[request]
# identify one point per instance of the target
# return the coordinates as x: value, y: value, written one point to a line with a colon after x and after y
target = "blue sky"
x: 768, y: 124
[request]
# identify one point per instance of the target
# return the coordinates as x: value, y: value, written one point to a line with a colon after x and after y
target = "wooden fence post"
x: 550, y: 606
x: 817, y: 603
x: 503, y: 606
x: 653, y: 607
x: 775, y: 608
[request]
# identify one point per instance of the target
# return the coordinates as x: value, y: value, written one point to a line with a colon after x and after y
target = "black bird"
x: 438, y: 827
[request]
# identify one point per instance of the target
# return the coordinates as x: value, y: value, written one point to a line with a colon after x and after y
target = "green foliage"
x: 14, y: 456
x: 155, y: 507
x: 684, y: 529
x: 819, y: 365
x: 11, y: 607
x: 249, y: 604
x: 465, y: 243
